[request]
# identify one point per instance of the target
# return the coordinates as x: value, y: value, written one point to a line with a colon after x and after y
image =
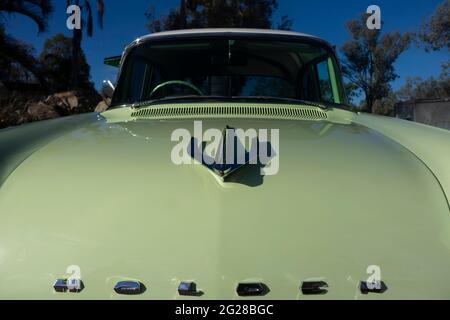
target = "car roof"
x: 220, y: 32
x: 224, y: 31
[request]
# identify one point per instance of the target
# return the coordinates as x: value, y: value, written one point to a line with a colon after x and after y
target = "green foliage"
x: 16, y: 58
x: 18, y: 61
x: 285, y: 23
x: 369, y: 59
x: 385, y: 106
x: 37, y: 10
x: 11, y: 71
x: 56, y: 64
x: 218, y: 14
x: 431, y: 88
x: 435, y: 31
x: 435, y: 35
x: 352, y: 92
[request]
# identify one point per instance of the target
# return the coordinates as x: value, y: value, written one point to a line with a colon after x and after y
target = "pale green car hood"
x: 104, y: 195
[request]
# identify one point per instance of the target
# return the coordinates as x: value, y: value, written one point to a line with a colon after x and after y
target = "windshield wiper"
x: 176, y: 98
x: 285, y: 100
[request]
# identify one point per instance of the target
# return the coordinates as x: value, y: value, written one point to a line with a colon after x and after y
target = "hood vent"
x: 231, y: 111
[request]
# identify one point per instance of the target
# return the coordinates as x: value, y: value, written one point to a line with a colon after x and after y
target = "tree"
x: 56, y: 64
x: 369, y: 59
x: 352, y: 92
x: 17, y: 61
x: 78, y: 33
x: 435, y: 31
x: 218, y: 14
x: 435, y: 34
x: 431, y: 88
x: 37, y: 10
x: 13, y: 51
x: 386, y: 105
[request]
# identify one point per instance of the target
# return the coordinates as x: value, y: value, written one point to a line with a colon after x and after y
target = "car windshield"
x: 233, y: 68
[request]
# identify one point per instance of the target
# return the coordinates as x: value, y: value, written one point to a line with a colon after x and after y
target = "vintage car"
x: 139, y: 202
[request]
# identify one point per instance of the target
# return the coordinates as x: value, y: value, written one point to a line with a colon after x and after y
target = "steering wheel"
x: 176, y: 82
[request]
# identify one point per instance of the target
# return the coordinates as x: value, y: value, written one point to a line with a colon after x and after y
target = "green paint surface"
x: 100, y: 192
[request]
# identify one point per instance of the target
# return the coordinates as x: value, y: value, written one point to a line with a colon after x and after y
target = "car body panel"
x: 105, y: 196
x: 430, y: 144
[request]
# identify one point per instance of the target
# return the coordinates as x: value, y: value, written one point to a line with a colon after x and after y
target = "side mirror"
x: 106, y: 92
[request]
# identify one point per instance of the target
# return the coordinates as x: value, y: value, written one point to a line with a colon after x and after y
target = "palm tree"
x: 14, y: 50
x: 38, y: 10
x: 78, y: 33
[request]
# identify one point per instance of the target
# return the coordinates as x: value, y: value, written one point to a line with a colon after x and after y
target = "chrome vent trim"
x: 234, y: 111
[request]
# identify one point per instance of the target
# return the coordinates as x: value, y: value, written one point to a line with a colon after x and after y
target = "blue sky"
x: 124, y: 21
